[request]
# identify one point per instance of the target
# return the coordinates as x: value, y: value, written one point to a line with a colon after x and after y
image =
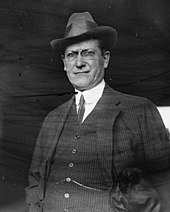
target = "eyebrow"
x: 75, y: 51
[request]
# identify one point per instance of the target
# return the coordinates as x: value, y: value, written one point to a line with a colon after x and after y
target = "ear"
x: 106, y: 57
x: 64, y: 62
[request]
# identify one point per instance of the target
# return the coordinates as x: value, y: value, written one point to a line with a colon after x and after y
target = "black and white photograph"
x: 84, y: 106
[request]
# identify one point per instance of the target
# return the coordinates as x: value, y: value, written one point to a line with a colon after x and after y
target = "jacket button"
x: 71, y: 165
x: 74, y: 151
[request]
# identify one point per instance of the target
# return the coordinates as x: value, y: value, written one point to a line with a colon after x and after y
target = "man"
x: 86, y: 144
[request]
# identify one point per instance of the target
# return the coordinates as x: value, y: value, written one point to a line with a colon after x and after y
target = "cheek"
x: 72, y: 78
x: 66, y: 67
x: 97, y: 69
x: 69, y: 74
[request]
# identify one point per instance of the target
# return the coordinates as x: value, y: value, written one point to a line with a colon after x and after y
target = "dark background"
x: 32, y: 80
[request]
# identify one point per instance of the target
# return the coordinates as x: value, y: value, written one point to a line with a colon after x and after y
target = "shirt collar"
x: 92, y: 95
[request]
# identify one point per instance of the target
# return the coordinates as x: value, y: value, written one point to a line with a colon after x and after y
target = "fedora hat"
x: 80, y: 27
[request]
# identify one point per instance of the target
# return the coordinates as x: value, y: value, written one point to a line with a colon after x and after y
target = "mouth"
x: 81, y: 72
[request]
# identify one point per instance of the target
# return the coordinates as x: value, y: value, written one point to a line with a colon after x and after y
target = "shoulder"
x: 58, y: 112
x: 131, y: 100
x: 127, y: 99
x: 132, y: 104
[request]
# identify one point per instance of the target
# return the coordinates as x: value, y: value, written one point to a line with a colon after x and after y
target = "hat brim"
x: 105, y: 33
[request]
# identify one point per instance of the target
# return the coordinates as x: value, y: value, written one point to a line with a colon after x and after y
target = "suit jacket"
x: 130, y: 133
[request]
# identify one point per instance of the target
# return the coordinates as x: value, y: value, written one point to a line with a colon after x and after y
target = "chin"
x: 81, y: 88
x: 81, y: 85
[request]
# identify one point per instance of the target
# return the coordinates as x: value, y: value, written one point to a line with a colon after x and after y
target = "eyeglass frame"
x: 84, y: 54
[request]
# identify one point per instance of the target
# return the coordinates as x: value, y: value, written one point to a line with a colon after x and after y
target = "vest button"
x: 68, y: 179
x: 66, y: 195
x: 77, y: 137
x: 74, y: 151
x: 71, y: 165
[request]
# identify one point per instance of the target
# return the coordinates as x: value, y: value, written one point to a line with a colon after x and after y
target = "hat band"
x: 75, y: 30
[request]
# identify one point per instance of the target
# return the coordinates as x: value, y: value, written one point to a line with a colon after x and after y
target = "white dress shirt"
x: 91, y: 98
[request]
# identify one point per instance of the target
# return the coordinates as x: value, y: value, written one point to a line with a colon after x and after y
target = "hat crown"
x: 81, y: 27
x: 79, y: 23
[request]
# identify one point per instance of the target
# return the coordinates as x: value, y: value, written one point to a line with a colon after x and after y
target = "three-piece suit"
x: 128, y: 132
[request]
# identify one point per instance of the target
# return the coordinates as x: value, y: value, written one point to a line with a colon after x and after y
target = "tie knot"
x: 82, y: 100
x: 81, y: 109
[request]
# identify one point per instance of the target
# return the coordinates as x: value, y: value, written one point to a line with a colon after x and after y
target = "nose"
x: 80, y: 63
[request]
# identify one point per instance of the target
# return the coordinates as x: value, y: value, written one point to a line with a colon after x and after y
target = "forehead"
x: 94, y: 44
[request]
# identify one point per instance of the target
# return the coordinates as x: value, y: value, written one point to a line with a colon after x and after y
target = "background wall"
x: 32, y: 81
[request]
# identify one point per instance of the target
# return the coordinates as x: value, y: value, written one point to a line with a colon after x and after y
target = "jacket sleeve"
x: 156, y: 149
x: 37, y: 170
x: 155, y: 140
x: 42, y: 156
x: 149, y: 151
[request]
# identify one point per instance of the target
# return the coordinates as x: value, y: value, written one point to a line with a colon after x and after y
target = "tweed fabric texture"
x: 130, y: 133
x: 83, y: 181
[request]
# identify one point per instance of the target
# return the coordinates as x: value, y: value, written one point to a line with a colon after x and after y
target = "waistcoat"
x: 75, y: 182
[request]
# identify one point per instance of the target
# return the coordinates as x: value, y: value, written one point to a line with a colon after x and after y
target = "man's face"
x: 84, y: 64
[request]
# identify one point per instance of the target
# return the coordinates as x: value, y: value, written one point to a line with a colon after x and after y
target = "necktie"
x: 81, y: 109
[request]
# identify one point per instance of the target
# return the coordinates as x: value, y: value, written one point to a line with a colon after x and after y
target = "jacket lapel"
x: 107, y: 110
x: 60, y: 117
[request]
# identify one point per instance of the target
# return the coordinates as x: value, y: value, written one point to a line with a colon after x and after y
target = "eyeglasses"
x: 87, y: 54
